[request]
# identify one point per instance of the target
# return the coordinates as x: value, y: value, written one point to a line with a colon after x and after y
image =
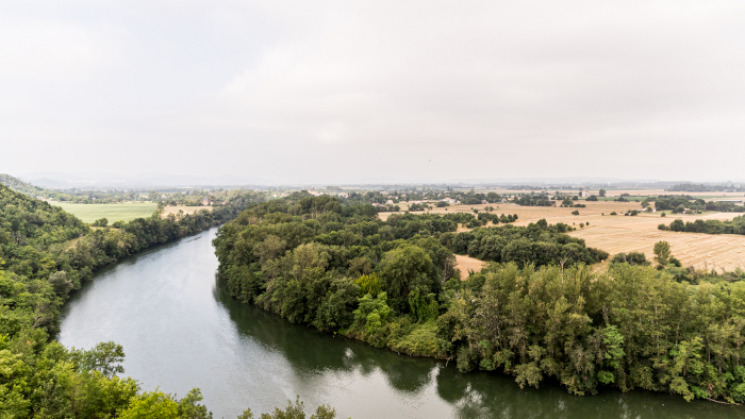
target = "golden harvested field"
x: 174, y: 209
x: 620, y: 233
x: 468, y: 264
x: 639, y: 234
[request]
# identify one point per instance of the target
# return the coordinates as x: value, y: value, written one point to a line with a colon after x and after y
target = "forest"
x: 319, y: 261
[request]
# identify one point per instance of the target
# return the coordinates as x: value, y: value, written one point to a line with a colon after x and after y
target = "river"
x: 180, y: 330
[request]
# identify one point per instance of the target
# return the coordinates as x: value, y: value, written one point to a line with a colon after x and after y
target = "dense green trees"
x: 538, y: 243
x: 632, y: 258
x: 534, y: 200
x: 633, y: 327
x: 679, y: 204
x: 734, y: 226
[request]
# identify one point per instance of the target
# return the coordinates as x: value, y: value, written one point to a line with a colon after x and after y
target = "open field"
x: 468, y: 264
x: 620, y: 233
x: 113, y: 212
x: 531, y: 214
x: 639, y: 234
x: 174, y: 209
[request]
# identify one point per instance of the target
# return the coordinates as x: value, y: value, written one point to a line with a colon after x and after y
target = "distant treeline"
x: 533, y: 200
x: 734, y: 226
x: 464, y: 197
x: 700, y: 187
x: 679, y: 204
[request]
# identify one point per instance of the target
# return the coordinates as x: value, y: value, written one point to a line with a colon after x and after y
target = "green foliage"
x: 293, y: 411
x: 155, y: 405
x: 421, y: 341
x: 534, y: 200
x: 404, y: 269
x: 538, y: 243
x: 734, y: 226
x: 105, y: 357
x: 189, y: 407
x: 369, y: 284
x: 632, y: 258
x: 631, y: 328
x: 662, y: 253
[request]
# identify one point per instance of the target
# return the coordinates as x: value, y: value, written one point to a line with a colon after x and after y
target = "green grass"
x: 113, y: 212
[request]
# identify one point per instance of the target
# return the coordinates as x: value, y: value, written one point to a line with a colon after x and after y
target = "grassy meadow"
x: 113, y: 212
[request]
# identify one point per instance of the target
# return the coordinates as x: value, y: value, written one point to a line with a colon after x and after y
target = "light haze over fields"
x: 375, y: 91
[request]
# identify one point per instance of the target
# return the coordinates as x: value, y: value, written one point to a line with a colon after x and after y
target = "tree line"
x: 679, y: 204
x: 734, y: 226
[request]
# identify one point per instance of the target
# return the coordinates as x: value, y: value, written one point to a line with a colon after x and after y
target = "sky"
x: 339, y: 92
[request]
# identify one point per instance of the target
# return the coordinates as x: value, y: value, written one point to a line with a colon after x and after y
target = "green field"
x: 113, y: 212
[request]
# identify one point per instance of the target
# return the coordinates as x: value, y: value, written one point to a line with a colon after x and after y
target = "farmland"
x: 89, y: 213
x: 619, y: 233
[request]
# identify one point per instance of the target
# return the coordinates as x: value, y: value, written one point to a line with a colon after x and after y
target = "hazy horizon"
x: 335, y: 92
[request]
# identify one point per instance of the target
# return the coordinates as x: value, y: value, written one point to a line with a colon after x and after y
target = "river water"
x: 180, y: 330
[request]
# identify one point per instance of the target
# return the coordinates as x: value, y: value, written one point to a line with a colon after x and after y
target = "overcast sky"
x: 374, y: 91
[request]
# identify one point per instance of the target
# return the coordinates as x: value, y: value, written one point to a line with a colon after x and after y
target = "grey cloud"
x: 409, y: 91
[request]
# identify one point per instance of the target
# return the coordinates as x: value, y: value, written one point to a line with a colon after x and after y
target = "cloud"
x: 415, y: 90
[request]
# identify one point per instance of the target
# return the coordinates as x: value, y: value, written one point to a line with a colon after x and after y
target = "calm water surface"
x: 180, y: 330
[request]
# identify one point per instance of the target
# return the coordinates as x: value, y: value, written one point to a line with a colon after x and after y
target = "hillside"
x: 23, y: 187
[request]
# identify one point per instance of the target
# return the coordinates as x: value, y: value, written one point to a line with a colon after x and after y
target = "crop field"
x: 113, y: 212
x: 185, y: 209
x: 619, y: 233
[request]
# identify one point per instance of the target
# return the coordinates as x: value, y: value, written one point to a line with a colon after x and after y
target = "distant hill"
x: 67, y: 195
x: 23, y: 187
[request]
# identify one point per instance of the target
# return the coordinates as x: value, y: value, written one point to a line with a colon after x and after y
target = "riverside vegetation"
x: 539, y: 313
x: 45, y: 254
